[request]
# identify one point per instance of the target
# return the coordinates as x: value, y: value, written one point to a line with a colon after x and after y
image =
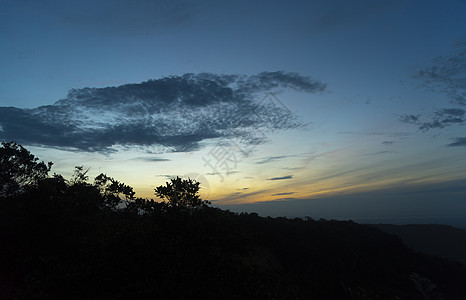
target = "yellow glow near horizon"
x: 331, y: 171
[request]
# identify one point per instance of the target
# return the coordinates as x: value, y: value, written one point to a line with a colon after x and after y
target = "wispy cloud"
x: 459, y: 142
x: 271, y: 159
x: 173, y: 113
x: 409, y: 119
x: 166, y: 176
x: 446, y: 75
x: 393, y: 202
x: 284, y: 194
x: 281, y: 178
x: 285, y: 199
x: 240, y: 195
x: 378, y: 153
x: 439, y: 119
x: 152, y: 159
x: 391, y: 134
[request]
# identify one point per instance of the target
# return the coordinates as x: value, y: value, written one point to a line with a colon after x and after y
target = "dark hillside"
x: 441, y: 240
x: 69, y: 239
x: 60, y: 244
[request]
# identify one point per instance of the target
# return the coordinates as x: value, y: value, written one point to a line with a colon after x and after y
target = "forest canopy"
x: 68, y: 238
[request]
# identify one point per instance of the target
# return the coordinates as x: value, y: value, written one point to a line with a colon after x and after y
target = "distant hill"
x: 440, y: 240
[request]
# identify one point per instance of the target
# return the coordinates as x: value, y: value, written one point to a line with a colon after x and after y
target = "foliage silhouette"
x: 79, y: 175
x: 72, y: 239
x: 111, y: 189
x: 180, y: 193
x: 19, y: 169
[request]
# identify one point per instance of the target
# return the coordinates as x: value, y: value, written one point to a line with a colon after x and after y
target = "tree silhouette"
x: 79, y: 175
x: 112, y: 188
x: 19, y: 169
x: 70, y: 237
x: 180, y: 193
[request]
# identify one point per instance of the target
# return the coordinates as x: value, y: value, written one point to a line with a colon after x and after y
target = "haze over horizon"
x: 327, y: 109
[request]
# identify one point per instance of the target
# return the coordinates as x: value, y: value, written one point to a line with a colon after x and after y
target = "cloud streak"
x: 173, y: 113
x: 284, y: 194
x: 281, y: 178
x: 272, y: 159
x: 152, y: 159
x: 378, y: 153
x: 459, y: 142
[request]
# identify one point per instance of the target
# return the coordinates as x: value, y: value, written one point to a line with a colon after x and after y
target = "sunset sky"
x: 332, y: 109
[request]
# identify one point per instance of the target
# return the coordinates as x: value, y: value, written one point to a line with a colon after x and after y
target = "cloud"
x: 377, y: 153
x: 240, y: 195
x: 284, y: 194
x: 392, y: 134
x: 411, y: 203
x: 172, y: 114
x: 286, y: 199
x: 447, y: 75
x: 152, y: 159
x: 166, y: 176
x: 281, y: 178
x: 459, y: 142
x: 410, y: 119
x: 266, y: 81
x: 438, y: 119
x: 270, y: 159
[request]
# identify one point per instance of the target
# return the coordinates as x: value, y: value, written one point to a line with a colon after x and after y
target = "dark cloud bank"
x: 175, y: 113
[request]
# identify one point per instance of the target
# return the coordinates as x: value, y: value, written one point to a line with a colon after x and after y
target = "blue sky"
x: 335, y: 109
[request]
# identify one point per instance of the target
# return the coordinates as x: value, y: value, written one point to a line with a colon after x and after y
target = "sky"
x: 330, y: 109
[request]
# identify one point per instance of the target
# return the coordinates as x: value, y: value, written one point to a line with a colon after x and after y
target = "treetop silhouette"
x: 181, y: 193
x: 19, y: 169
